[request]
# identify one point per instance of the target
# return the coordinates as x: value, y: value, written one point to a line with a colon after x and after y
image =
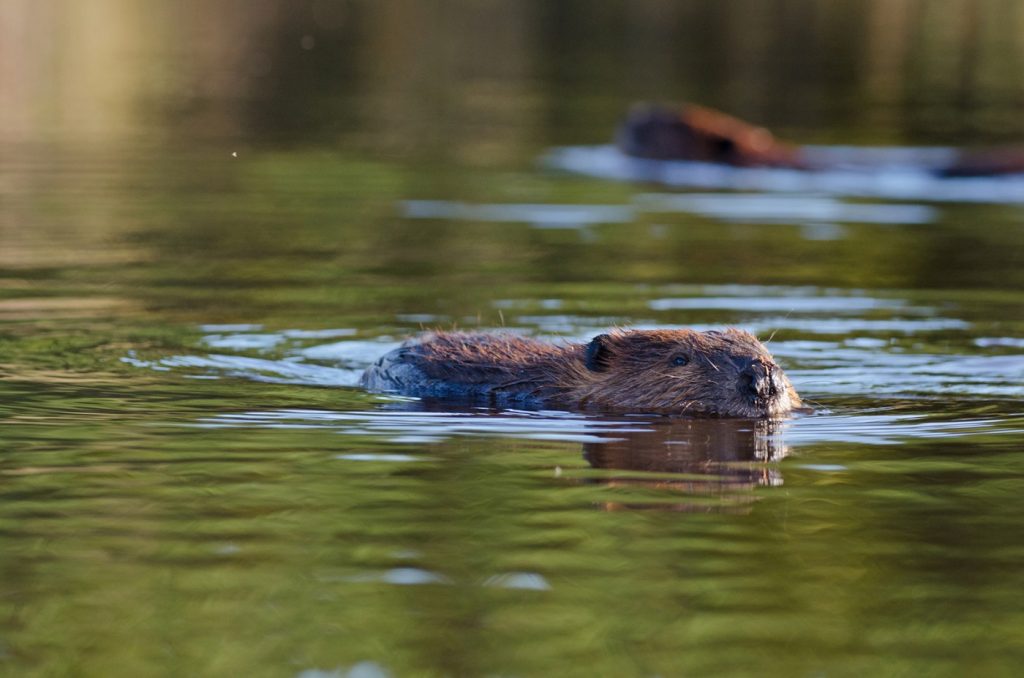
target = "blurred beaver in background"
x: 725, y: 373
x: 700, y: 134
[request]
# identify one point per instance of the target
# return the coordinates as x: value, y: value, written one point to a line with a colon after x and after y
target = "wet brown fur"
x: 618, y: 371
x: 703, y: 134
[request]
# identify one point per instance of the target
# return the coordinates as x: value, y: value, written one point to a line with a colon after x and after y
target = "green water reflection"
x: 200, y: 247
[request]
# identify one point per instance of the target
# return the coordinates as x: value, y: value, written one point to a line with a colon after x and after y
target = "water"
x: 873, y: 178
x: 191, y: 283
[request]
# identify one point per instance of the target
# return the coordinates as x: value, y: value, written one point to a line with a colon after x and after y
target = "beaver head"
x: 720, y: 373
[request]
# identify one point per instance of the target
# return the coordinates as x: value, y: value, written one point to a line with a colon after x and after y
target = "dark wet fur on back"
x: 726, y: 373
x: 501, y: 369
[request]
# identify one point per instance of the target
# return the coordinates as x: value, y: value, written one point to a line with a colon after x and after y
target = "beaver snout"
x: 761, y: 381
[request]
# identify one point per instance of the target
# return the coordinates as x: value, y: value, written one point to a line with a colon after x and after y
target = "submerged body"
x: 720, y: 373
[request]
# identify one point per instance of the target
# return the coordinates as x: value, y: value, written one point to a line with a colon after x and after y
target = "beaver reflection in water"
x: 725, y: 373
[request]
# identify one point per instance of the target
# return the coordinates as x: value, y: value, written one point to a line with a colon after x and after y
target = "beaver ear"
x: 598, y: 355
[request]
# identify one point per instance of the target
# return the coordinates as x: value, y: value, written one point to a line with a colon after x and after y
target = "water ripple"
x: 417, y: 426
x: 894, y: 182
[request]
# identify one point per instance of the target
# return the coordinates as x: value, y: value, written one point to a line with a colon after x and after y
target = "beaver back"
x: 502, y: 369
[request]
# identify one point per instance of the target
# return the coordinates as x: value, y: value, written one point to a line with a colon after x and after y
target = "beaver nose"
x: 758, y: 380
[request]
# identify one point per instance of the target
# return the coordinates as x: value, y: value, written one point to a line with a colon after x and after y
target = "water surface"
x: 192, y: 484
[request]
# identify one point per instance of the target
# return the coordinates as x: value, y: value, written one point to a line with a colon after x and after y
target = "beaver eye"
x: 680, y: 360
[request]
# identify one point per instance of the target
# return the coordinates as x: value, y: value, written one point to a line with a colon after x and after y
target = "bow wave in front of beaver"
x: 719, y: 373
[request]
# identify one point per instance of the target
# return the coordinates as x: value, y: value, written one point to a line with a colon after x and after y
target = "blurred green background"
x: 485, y: 80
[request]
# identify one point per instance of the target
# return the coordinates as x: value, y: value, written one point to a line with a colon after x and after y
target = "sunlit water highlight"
x: 891, y: 179
x: 875, y: 353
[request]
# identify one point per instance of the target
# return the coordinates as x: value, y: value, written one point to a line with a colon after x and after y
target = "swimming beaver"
x: 720, y: 373
x: 702, y: 134
x: 696, y: 133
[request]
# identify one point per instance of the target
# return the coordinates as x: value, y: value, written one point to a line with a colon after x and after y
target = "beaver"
x: 699, y: 134
x: 703, y: 135
x: 727, y: 373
